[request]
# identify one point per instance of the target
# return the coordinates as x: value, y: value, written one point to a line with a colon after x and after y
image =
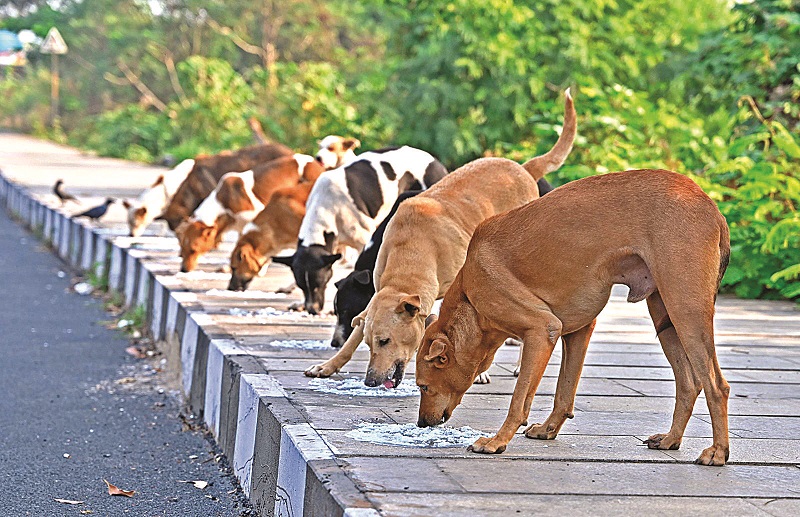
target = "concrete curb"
x: 282, y: 463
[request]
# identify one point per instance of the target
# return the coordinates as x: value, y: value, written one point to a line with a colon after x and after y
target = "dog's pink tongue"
x: 388, y: 384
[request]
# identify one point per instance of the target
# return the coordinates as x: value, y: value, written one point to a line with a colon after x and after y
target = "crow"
x: 98, y: 211
x: 63, y: 196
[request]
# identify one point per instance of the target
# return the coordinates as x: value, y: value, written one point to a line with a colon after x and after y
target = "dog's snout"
x: 422, y: 422
x: 371, y: 380
x: 184, y: 269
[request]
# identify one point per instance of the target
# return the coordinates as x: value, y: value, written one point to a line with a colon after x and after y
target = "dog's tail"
x: 724, y: 249
x: 538, y: 166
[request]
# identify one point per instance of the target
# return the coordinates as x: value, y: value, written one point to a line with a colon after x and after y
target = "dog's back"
x: 208, y: 170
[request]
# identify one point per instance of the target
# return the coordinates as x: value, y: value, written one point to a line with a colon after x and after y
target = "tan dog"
x: 152, y: 202
x: 238, y: 198
x: 274, y: 229
x: 207, y: 172
x: 424, y: 247
x: 545, y: 271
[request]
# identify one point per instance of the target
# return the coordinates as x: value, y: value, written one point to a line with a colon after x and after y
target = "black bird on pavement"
x: 98, y: 211
x: 63, y: 196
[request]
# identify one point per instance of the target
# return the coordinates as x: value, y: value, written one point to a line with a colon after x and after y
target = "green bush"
x: 757, y: 189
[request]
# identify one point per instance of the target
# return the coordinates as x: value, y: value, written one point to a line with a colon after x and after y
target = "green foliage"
x: 708, y: 88
x: 758, y: 191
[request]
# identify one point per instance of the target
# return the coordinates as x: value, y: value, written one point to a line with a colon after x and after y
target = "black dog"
x: 356, y: 289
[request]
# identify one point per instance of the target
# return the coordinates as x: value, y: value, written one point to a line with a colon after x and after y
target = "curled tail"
x: 538, y: 166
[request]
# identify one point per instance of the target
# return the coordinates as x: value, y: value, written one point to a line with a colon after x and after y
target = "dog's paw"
x: 662, y: 442
x: 714, y: 456
x: 513, y: 342
x: 542, y: 432
x: 486, y: 445
x: 482, y: 378
x: 224, y: 269
x: 321, y: 370
x: 297, y: 306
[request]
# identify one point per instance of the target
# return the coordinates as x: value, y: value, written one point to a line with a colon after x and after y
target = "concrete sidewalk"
x: 291, y: 439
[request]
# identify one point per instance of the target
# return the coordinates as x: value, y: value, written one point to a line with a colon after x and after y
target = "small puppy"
x: 545, y: 270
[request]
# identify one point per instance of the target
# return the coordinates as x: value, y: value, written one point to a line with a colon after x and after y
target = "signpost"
x: 54, y: 45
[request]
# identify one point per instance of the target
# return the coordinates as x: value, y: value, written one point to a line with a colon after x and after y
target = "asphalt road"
x: 67, y: 422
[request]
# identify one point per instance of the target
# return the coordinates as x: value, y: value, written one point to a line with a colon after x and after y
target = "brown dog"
x: 424, y: 247
x: 237, y: 199
x: 545, y: 271
x: 275, y: 228
x: 207, y: 172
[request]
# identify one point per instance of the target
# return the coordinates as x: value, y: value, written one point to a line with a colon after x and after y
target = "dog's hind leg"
x: 691, y: 309
x: 574, y: 348
x: 687, y: 388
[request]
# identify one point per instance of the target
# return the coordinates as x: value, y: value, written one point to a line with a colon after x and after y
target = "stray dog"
x: 424, y: 247
x: 239, y: 196
x: 545, y: 271
x: 354, y: 291
x: 275, y: 228
x: 335, y: 151
x: 152, y: 202
x: 207, y: 172
x: 345, y: 206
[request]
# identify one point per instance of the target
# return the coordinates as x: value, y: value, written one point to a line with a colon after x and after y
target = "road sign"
x: 53, y: 43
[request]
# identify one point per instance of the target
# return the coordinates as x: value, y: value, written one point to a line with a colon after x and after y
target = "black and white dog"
x: 345, y: 206
x: 354, y: 291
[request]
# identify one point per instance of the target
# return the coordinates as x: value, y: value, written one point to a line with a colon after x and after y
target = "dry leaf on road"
x: 67, y: 501
x: 197, y: 484
x: 113, y: 490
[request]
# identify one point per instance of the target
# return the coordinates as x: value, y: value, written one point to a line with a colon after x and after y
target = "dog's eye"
x: 423, y: 388
x: 331, y: 148
x: 383, y: 342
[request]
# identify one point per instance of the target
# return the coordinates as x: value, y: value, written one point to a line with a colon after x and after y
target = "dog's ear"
x: 410, y: 304
x: 328, y: 260
x: 430, y: 319
x: 206, y: 231
x: 330, y: 241
x: 140, y: 212
x: 363, y: 276
x: 351, y: 143
x: 158, y: 181
x: 126, y: 204
x: 359, y: 320
x: 286, y: 261
x: 437, y: 353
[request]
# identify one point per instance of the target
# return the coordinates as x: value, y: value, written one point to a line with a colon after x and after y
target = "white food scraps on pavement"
x: 354, y: 387
x: 267, y: 312
x: 304, y: 344
x: 409, y: 435
x: 247, y: 295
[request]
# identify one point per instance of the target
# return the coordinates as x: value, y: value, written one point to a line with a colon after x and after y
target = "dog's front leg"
x: 538, y: 347
x: 335, y: 363
x: 572, y: 358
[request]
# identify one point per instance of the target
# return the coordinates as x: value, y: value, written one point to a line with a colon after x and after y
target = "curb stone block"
x: 218, y: 350
x: 251, y: 389
x: 87, y: 248
x: 232, y: 369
